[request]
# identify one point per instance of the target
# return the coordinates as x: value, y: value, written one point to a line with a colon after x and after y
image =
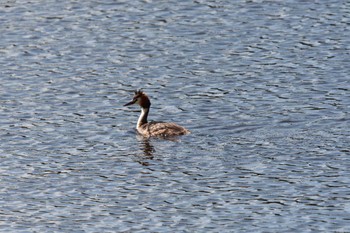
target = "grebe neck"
x: 143, y: 117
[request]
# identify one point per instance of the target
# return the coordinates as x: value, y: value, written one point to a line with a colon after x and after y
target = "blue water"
x: 262, y: 85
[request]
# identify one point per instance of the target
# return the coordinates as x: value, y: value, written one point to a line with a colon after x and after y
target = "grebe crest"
x: 149, y: 129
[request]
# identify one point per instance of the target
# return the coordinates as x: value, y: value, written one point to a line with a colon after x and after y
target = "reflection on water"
x: 147, y: 149
x: 262, y: 85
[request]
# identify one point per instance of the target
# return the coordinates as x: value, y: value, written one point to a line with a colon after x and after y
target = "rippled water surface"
x: 262, y: 85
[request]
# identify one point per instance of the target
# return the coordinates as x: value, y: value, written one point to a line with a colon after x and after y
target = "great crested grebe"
x: 149, y: 129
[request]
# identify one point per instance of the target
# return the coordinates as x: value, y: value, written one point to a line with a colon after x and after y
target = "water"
x: 262, y: 85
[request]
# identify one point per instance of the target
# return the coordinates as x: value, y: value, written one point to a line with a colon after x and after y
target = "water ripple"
x: 262, y: 85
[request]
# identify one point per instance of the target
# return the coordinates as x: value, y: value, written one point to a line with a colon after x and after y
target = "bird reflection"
x: 147, y: 148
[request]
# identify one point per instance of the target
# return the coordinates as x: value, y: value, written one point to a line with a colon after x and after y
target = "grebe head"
x: 141, y: 99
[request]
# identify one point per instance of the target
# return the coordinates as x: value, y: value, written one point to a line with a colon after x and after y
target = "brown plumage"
x: 150, y: 129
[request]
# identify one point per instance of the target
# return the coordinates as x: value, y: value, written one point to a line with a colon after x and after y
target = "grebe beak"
x: 130, y: 103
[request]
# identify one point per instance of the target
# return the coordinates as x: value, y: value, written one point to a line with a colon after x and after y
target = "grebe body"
x: 150, y: 129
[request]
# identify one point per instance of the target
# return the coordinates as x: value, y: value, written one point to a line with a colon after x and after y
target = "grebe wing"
x: 164, y: 129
